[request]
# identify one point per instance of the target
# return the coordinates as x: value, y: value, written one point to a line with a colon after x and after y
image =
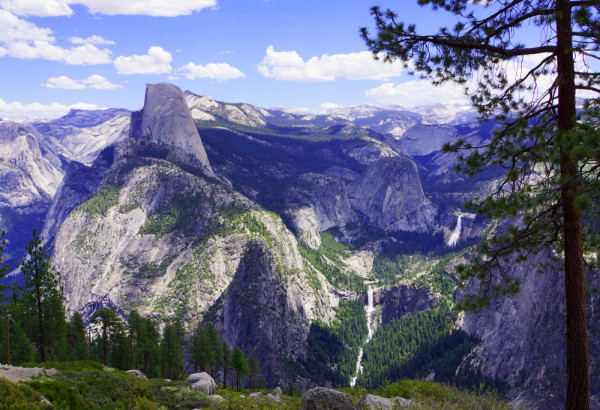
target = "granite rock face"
x: 389, y: 195
x: 522, y: 336
x: 403, y: 300
x: 81, y: 135
x: 166, y: 119
x: 268, y: 307
x: 30, y: 171
x: 317, y: 202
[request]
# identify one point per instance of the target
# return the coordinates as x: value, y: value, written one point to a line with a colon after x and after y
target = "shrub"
x: 19, y: 396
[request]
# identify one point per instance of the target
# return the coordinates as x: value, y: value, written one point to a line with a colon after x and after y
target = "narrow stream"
x: 369, y: 314
x: 456, y: 233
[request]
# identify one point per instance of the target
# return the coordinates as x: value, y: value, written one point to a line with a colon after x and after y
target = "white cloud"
x: 419, y: 92
x: 98, y: 40
x: 100, y: 83
x: 86, y: 54
x: 16, y: 110
x: 23, y: 39
x: 64, y: 82
x: 93, y: 81
x: 218, y: 71
x: 14, y: 29
x: 41, y: 8
x: 157, y: 61
x: 289, y: 66
x: 164, y: 8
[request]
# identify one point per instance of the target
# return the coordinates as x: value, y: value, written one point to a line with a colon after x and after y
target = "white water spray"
x: 456, y: 233
x: 369, y: 314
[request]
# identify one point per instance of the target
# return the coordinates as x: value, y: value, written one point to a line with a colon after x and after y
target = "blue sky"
x: 57, y: 54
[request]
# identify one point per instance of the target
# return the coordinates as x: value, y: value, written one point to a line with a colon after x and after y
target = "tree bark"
x: 7, y: 344
x: 578, y: 378
x: 40, y: 317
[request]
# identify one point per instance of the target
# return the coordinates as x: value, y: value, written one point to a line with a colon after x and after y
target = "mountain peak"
x: 166, y: 119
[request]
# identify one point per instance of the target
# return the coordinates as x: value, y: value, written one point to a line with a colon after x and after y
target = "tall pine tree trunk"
x: 578, y: 379
x: 41, y: 325
x: 225, y: 377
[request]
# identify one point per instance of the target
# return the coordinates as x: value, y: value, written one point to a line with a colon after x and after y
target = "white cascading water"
x: 369, y: 314
x: 456, y: 233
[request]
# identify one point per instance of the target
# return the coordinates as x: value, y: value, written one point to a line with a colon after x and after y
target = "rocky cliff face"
x: 389, y: 195
x: 265, y: 309
x: 81, y: 135
x: 29, y: 170
x: 166, y: 119
x: 142, y: 229
x: 317, y: 202
x: 522, y: 336
x: 402, y: 300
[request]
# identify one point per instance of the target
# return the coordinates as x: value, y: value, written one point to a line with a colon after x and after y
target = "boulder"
x: 371, y: 402
x: 137, y: 373
x: 216, y: 399
x: 323, y: 398
x: 277, y: 390
x: 402, y: 403
x: 275, y: 399
x: 202, y: 382
x: 256, y: 395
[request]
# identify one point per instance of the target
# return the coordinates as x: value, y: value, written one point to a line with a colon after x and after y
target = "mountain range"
x: 265, y: 222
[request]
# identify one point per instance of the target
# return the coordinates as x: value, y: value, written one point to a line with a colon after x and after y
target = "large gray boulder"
x: 275, y: 399
x: 137, y: 373
x: 371, y: 402
x: 166, y: 120
x: 202, y: 382
x: 323, y: 398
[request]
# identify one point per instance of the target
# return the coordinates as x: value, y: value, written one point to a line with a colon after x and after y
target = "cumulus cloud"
x: 157, y: 61
x: 40, y: 8
x: 164, y: 8
x: 418, y: 92
x: 217, y: 71
x: 93, y: 81
x: 23, y: 39
x: 98, y: 40
x: 16, y: 110
x: 289, y: 66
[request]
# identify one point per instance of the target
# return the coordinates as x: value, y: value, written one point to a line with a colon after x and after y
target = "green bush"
x: 19, y: 396
x: 433, y: 395
x: 59, y: 393
x: 72, y: 365
x: 179, y: 396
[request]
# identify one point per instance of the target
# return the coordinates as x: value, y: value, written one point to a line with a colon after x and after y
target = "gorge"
x: 273, y: 226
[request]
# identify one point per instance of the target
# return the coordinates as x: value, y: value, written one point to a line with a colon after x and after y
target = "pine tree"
x: 226, y: 355
x: 3, y: 302
x: 145, y: 337
x: 110, y: 323
x: 120, y: 348
x: 254, y: 368
x: 171, y: 351
x: 214, y: 343
x: 43, y: 312
x: 200, y: 349
x: 76, y: 337
x: 549, y: 151
x: 240, y: 365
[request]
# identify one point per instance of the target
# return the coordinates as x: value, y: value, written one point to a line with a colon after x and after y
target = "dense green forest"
x: 333, y: 350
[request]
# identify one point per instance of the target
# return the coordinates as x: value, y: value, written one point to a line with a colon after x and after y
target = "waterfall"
x: 456, y: 233
x: 369, y: 314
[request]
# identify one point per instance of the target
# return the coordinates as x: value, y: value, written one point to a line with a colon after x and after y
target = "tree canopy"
x: 549, y: 148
